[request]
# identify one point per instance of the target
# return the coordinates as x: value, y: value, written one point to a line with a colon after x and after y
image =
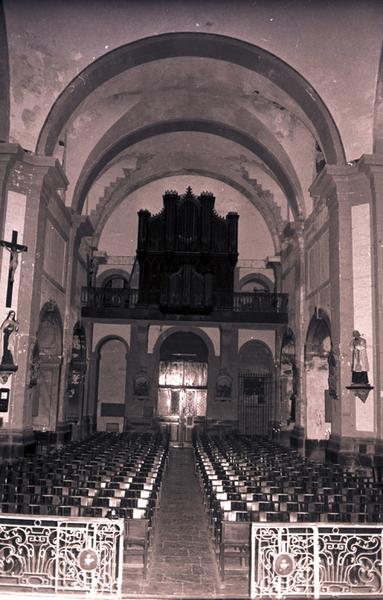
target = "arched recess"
x: 256, y: 281
x: 183, y: 380
x: 378, y: 111
x: 286, y: 178
x: 112, y: 359
x: 269, y: 211
x: 288, y: 379
x: 200, y: 45
x: 256, y: 402
x: 46, y: 386
x: 320, y: 372
x: 74, y: 408
x: 113, y: 278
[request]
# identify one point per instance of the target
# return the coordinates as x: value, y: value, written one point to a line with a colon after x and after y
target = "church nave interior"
x: 191, y: 284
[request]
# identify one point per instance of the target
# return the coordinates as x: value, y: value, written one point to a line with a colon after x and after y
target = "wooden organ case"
x: 186, y: 254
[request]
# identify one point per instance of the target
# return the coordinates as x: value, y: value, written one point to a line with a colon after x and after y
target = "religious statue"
x: 9, y: 327
x: 359, y: 362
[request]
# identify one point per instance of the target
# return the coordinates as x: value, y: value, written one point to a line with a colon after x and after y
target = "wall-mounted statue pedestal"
x: 361, y: 390
x: 6, y: 370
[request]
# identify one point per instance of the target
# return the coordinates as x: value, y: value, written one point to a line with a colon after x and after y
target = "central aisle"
x: 182, y: 560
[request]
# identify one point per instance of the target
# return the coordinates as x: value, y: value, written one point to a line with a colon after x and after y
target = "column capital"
x: 371, y: 162
x: 31, y: 172
x: 9, y: 153
x: 333, y: 181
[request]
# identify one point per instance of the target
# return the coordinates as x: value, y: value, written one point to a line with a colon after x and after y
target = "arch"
x: 74, y: 407
x: 320, y: 376
x: 257, y: 277
x: 204, y: 45
x: 111, y: 383
x: 256, y: 350
x: 270, y: 212
x: 106, y: 339
x: 46, y: 389
x: 50, y: 315
x: 216, y: 114
x: 288, y: 378
x: 378, y: 111
x: 318, y: 330
x: 287, y: 179
x: 192, y: 341
x: 199, y: 332
x: 113, y: 274
x: 256, y: 383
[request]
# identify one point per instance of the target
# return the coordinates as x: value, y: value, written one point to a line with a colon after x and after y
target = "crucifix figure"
x: 14, y: 250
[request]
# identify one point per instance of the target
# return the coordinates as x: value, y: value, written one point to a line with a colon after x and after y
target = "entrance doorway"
x: 182, y: 385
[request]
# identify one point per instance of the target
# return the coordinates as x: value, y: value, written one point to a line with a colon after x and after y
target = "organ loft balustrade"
x: 119, y: 303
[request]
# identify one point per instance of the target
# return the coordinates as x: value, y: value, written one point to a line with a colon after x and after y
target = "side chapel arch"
x: 74, y: 408
x: 112, y: 354
x: 46, y: 382
x: 256, y: 403
x: 320, y: 373
x: 288, y: 379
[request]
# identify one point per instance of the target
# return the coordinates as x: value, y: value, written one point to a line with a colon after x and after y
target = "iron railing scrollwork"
x: 237, y: 302
x: 60, y: 555
x: 316, y: 561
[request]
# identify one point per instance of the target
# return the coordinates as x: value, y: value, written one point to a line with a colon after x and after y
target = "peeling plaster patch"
x: 282, y: 121
x: 29, y: 115
x: 83, y: 122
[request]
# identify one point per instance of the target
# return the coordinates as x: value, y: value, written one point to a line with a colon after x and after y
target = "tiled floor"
x: 182, y: 561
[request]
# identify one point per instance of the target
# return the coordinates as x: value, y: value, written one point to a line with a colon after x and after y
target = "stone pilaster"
x: 372, y: 167
x: 9, y: 154
x: 35, y: 179
x: 347, y: 196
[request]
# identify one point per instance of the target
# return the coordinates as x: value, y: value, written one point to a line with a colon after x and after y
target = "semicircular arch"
x: 196, y: 331
x: 286, y: 177
x: 271, y: 214
x: 200, y: 45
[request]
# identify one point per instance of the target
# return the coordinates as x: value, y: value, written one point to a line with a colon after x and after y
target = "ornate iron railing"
x: 316, y: 561
x: 238, y: 302
x: 58, y: 555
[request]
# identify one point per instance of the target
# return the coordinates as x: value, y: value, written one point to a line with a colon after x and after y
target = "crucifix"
x: 14, y: 250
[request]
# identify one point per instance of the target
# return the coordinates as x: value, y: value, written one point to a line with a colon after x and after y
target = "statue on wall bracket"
x: 141, y: 384
x: 223, y: 386
x: 359, y: 367
x: 9, y: 328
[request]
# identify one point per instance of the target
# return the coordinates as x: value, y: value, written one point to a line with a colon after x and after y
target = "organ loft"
x: 191, y: 278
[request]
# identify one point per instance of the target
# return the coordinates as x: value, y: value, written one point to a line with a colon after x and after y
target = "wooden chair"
x: 136, y: 544
x: 234, y: 548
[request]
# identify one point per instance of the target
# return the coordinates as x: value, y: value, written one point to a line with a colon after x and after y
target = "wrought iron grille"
x: 57, y: 555
x: 316, y: 561
x: 255, y: 403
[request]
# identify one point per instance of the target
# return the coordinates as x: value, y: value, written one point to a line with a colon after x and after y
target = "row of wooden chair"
x: 244, y: 480
x: 107, y: 475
